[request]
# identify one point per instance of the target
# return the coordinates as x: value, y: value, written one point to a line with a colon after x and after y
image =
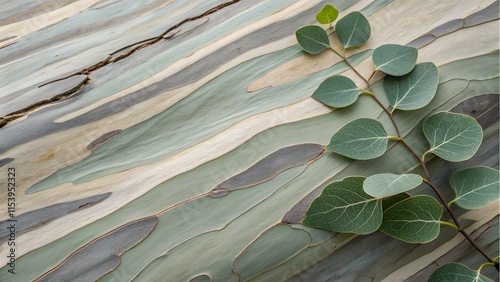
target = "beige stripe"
x: 28, y: 26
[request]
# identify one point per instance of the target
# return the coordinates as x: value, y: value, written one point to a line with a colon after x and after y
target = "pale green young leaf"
x: 327, y: 15
x: 395, y: 59
x: 414, y: 220
x: 312, y: 39
x: 353, y: 30
x: 414, y: 90
x: 453, y: 137
x: 361, y: 139
x: 457, y: 272
x: 392, y: 200
x: 475, y: 187
x: 388, y: 184
x: 343, y: 206
x: 337, y: 91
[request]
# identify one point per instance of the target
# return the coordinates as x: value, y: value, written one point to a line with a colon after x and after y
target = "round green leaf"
x: 414, y: 90
x: 475, y: 187
x: 361, y: 139
x: 327, y: 15
x: 343, y: 206
x: 337, y: 91
x: 312, y: 39
x: 395, y: 59
x: 388, y: 184
x: 457, y: 272
x: 353, y: 30
x: 414, y: 220
x: 453, y: 137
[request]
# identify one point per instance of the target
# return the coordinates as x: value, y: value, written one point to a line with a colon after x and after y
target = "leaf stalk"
x: 448, y: 224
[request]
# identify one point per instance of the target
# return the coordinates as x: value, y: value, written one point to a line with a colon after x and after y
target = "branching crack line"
x: 125, y: 52
x: 20, y: 113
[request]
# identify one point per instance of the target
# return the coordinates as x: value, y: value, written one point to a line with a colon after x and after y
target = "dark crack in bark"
x: 25, y: 111
x: 127, y: 51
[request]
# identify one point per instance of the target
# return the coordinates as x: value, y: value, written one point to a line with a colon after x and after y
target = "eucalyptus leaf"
x: 388, y: 184
x: 312, y: 39
x: 353, y: 30
x: 361, y: 139
x: 457, y: 272
x: 453, y: 137
x: 475, y: 187
x: 392, y: 200
x: 414, y: 220
x: 327, y: 15
x: 395, y: 59
x: 337, y: 91
x: 343, y: 206
x: 414, y: 90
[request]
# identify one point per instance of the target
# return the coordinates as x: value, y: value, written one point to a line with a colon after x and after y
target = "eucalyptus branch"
x: 371, y: 76
x: 421, y: 161
x: 408, y: 86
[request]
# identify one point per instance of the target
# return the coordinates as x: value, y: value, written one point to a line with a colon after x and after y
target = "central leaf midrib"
x: 390, y: 184
x: 411, y: 88
x: 349, y: 205
x: 478, y: 188
x: 434, y: 147
x: 312, y: 39
x: 352, y: 32
x: 390, y: 61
